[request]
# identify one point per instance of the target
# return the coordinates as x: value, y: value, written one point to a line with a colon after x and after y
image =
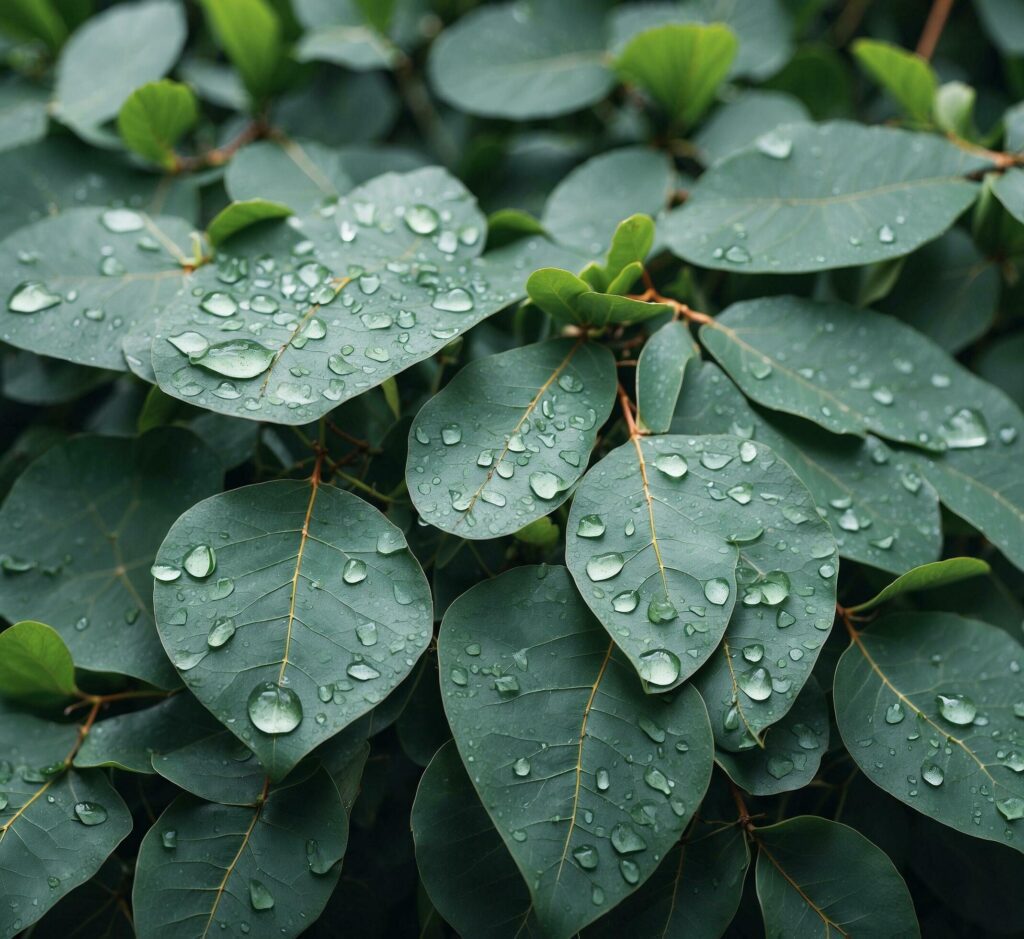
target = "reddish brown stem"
x: 220, y: 155
x: 933, y: 28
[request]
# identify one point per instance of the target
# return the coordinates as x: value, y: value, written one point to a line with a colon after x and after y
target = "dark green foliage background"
x: 449, y: 449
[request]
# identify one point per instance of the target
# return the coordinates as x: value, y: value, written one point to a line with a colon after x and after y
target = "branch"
x: 933, y: 28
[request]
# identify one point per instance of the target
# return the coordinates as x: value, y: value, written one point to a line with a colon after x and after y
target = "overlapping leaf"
x: 880, y: 510
x: 80, y: 529
x: 294, y: 319
x: 587, y: 779
x: 659, y: 375
x: 810, y: 197
x: 506, y: 440
x: 330, y: 610
x: 929, y: 707
x: 669, y: 538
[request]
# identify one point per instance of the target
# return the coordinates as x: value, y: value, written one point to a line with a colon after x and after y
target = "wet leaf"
x: 509, y: 436
x: 736, y: 125
x: 546, y: 729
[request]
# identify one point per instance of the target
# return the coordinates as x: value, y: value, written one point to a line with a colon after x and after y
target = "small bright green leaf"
x: 664, y: 532
x: 926, y: 577
x: 792, y: 749
x: 541, y: 533
x: 519, y: 62
x: 927, y: 705
x: 57, y: 827
x: 303, y: 317
x: 204, y: 867
x: 735, y: 126
x: 250, y: 33
x: 133, y: 741
x: 811, y: 197
x: 23, y: 114
x: 237, y: 216
x: 817, y: 877
x: 548, y: 727
x: 389, y: 388
x: 763, y: 28
x: 77, y: 285
x: 680, y: 65
x: 509, y: 437
x: 466, y: 869
x: 557, y: 293
x: 880, y: 510
x: 954, y: 109
x: 585, y: 208
x: 35, y: 665
x: 906, y: 76
x: 153, y: 118
x: 659, y: 375
x: 947, y: 290
x: 604, y: 309
x: 631, y: 244
x: 111, y: 55
x: 332, y: 608
x: 80, y: 530
x: 33, y: 19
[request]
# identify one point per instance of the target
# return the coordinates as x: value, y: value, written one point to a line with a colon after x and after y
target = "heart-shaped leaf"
x: 35, y: 665
x: 587, y: 779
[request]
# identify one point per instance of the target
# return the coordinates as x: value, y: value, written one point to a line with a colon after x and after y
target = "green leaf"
x: 680, y: 65
x: 880, y: 510
x: 659, y: 375
x: 46, y: 850
x: 153, y: 118
x: 79, y: 284
x: 23, y: 114
x: 328, y: 601
x: 763, y: 29
x: 603, y: 309
x: 33, y: 19
x: 1009, y: 190
x: 735, y: 126
x: 237, y: 216
x: 662, y: 535
x: 585, y: 208
x: 272, y: 865
x: 214, y: 765
x: 355, y: 45
x: 520, y: 63
x: 509, y: 437
x: 954, y: 109
x: 1004, y: 23
x: 301, y: 174
x: 630, y: 245
x: 303, y: 319
x: 906, y: 76
x: 80, y: 528
x: 35, y: 665
x: 133, y: 741
x: 926, y: 705
x: 466, y: 869
x: 817, y: 877
x: 926, y: 577
x: 33, y: 379
x: 250, y: 33
x: 947, y: 290
x: 585, y: 825
x: 558, y: 293
x: 792, y: 749
x: 811, y: 197
x: 111, y: 55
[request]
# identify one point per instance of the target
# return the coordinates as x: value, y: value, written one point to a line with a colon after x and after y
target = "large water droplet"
x: 932, y: 774
x: 625, y: 840
x: 455, y: 300
x: 165, y: 573
x: 965, y: 430
x: 421, y: 219
x: 274, y: 709
x: 586, y: 856
x: 604, y: 566
x: 220, y: 632
x: 235, y: 358
x: 259, y: 896
x: 219, y: 304
x: 956, y: 708
x: 201, y: 561
x: 756, y: 684
x: 32, y: 297
x: 659, y: 667
x: 671, y: 464
x: 121, y: 221
x: 716, y: 591
x: 90, y: 813
x: 354, y: 571
x: 590, y: 526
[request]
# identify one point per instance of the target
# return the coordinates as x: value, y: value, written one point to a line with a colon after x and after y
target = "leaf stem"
x: 218, y: 156
x: 933, y: 27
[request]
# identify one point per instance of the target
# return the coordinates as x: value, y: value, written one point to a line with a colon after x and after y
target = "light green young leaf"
x: 509, y: 437
x: 237, y: 216
x: 659, y: 375
x: 927, y: 705
x: 664, y: 533
x: 926, y: 577
x: 811, y: 197
x: 630, y: 245
x: 80, y: 528
x: 111, y: 55
x: 817, y: 877
x: 792, y: 749
x: 57, y: 826
x: 584, y: 209
x: 273, y: 865
x: 954, y: 109
x: 465, y: 867
x: 153, y: 118
x: 292, y: 320
x: 906, y: 76
x: 548, y: 726
x: 34, y: 19
x: 250, y: 33
x: 603, y: 309
x: 35, y: 665
x: 880, y: 510
x: 77, y: 285
x: 520, y: 63
x: 332, y: 608
x: 680, y: 66
x: 558, y: 293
